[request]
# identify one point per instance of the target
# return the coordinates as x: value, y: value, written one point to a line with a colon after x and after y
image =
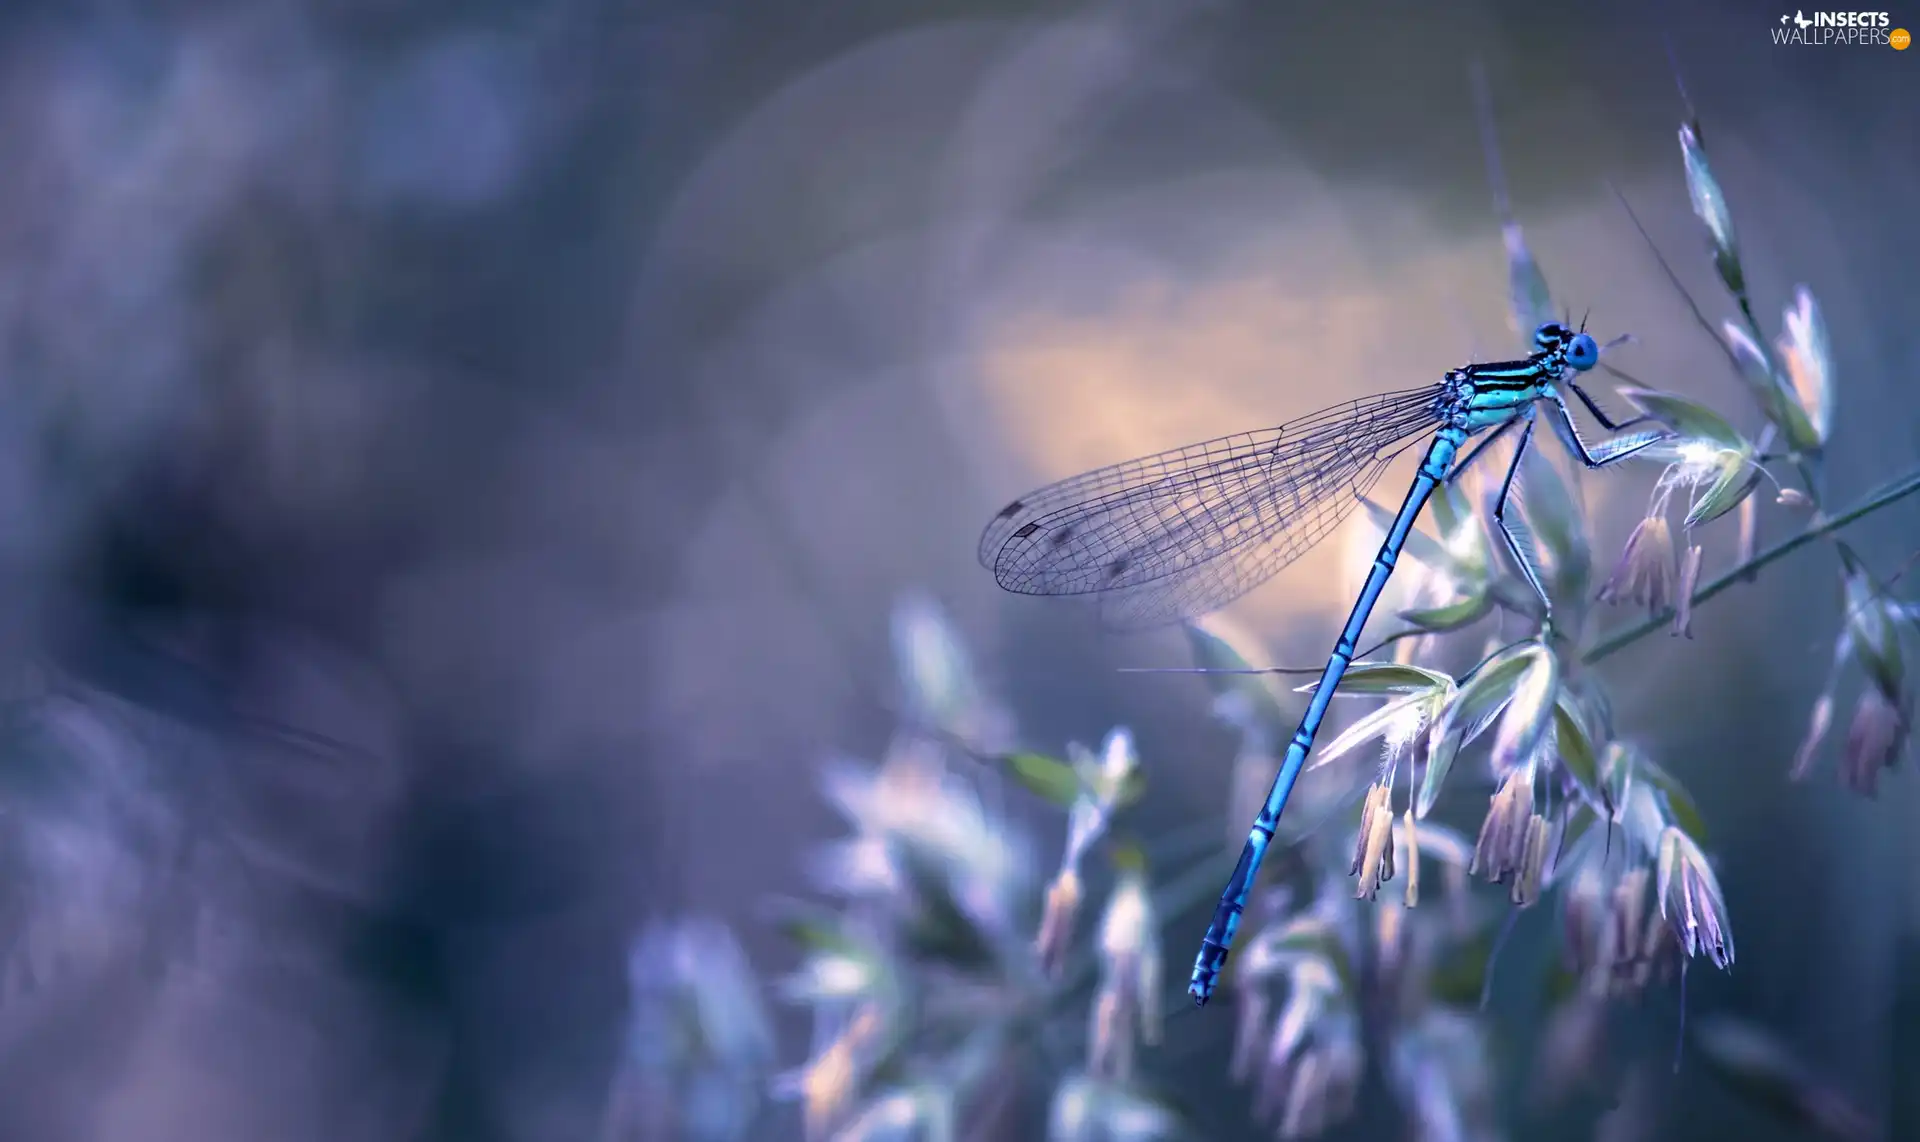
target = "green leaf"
x: 1385, y: 678
x: 1574, y: 745
x: 1616, y: 774
x: 1442, y: 749
x: 1049, y: 778
x: 1484, y: 694
x: 1638, y: 806
x: 1681, y: 810
x: 1452, y: 616
x: 1735, y: 478
x: 1374, y: 724
x: 1529, y: 713
x: 1580, y: 821
x: 1687, y: 418
x: 1475, y: 701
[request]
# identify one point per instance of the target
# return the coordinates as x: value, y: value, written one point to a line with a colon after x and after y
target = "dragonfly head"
x: 1574, y: 347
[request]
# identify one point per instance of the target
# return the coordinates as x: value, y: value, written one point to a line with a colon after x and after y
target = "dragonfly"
x: 1181, y: 533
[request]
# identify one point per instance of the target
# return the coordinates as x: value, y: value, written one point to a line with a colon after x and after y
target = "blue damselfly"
x: 1176, y: 535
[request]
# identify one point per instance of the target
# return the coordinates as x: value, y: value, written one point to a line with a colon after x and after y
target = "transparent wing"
x: 1214, y: 583
x: 1183, y: 532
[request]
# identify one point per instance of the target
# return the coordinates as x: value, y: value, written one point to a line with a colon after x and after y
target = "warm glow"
x: 1166, y: 368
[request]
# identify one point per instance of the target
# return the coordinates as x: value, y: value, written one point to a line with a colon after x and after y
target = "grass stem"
x: 1898, y: 489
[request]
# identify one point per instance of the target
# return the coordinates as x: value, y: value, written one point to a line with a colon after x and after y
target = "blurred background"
x: 459, y: 459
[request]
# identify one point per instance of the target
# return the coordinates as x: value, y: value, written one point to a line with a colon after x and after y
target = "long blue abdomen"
x: 1233, y: 902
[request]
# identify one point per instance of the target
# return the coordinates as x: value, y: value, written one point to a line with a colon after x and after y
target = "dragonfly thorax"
x: 1497, y: 392
x: 1456, y: 397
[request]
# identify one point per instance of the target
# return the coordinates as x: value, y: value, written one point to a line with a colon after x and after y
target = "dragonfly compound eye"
x: 1582, y: 353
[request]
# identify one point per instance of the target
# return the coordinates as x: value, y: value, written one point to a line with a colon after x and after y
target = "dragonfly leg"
x: 1477, y: 450
x: 1522, y: 548
x: 1600, y: 415
x: 1609, y: 451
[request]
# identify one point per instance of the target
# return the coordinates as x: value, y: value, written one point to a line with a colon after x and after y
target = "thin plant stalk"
x: 1889, y: 493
